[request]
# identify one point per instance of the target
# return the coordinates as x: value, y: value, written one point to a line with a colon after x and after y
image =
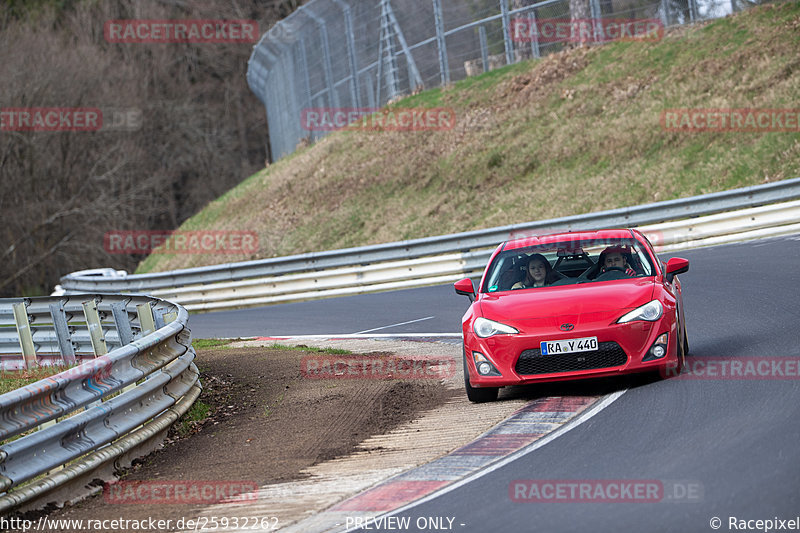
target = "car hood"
x: 583, y: 304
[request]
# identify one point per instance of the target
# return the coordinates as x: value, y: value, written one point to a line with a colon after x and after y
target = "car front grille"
x: 608, y: 354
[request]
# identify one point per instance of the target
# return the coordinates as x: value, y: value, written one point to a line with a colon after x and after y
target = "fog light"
x: 658, y: 349
x: 484, y: 366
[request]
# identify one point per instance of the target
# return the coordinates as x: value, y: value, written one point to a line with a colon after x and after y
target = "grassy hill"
x: 574, y: 132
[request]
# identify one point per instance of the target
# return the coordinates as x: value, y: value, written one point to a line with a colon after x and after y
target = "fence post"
x: 370, y: 94
x: 412, y: 65
x: 506, y: 32
x: 692, y: 10
x: 598, y: 34
x: 484, y: 47
x: 355, y: 90
x: 444, y: 67
x: 24, y: 334
x: 534, y: 32
x: 387, y: 51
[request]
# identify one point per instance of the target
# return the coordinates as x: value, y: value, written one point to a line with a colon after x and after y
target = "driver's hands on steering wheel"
x: 629, y: 271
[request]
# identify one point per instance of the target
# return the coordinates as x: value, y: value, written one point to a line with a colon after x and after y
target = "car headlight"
x: 649, y: 312
x: 483, y: 327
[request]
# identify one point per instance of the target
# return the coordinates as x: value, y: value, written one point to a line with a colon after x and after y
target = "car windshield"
x: 567, y: 263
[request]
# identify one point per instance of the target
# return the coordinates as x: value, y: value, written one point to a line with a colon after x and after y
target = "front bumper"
x: 621, y: 350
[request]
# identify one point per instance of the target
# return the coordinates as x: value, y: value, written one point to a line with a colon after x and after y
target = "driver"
x: 616, y: 257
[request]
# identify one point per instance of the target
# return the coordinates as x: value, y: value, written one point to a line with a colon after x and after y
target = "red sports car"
x: 569, y: 306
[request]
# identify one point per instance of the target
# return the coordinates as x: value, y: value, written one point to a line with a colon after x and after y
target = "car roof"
x: 535, y: 240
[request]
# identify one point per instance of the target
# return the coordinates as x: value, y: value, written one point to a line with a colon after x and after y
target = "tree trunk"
x: 579, y: 14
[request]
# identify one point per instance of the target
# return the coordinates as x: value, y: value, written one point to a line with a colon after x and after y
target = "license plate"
x: 586, y: 344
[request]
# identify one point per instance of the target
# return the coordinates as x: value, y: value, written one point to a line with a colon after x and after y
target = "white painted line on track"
x: 358, y: 336
x: 583, y: 417
x: 394, y: 325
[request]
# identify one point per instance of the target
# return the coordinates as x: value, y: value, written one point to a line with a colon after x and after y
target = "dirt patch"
x: 267, y: 423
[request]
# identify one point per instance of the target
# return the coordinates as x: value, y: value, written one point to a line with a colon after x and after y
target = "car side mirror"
x: 675, y: 266
x: 464, y: 287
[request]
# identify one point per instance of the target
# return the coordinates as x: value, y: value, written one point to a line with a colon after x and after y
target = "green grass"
x: 198, y: 412
x: 204, y: 344
x: 311, y: 349
x: 574, y: 132
x: 14, y: 379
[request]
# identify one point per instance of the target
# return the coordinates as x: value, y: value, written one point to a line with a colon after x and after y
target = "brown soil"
x: 267, y: 424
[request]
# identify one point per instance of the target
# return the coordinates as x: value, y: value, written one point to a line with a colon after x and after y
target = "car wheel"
x: 681, y: 355
x: 682, y: 345
x: 685, y: 343
x: 478, y: 395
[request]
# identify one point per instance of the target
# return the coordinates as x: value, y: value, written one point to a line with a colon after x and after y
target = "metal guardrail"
x: 439, y: 259
x: 61, y: 429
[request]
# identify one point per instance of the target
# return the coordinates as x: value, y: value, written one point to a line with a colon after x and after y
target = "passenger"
x: 616, y: 256
x: 538, y: 273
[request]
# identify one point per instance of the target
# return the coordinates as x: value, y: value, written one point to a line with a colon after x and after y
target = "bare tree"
x: 201, y: 131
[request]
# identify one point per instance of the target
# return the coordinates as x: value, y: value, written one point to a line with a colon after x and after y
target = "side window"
x: 655, y: 256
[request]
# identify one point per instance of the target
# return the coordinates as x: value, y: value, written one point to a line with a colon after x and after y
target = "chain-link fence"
x: 349, y: 57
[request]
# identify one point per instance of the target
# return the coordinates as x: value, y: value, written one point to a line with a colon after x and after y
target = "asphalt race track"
x: 719, y: 447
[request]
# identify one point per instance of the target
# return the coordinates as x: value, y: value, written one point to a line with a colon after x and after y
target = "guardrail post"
x: 160, y: 316
x: 62, y: 333
x: 25, y: 335
x: 95, y: 328
x: 147, y: 322
x: 484, y: 48
x: 120, y: 312
x: 506, y: 31
x: 444, y: 67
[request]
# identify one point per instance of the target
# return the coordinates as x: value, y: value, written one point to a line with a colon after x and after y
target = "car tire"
x: 685, y: 343
x: 478, y: 395
x: 682, y: 349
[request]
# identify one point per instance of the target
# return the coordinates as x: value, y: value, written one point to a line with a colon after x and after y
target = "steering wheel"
x: 616, y: 273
